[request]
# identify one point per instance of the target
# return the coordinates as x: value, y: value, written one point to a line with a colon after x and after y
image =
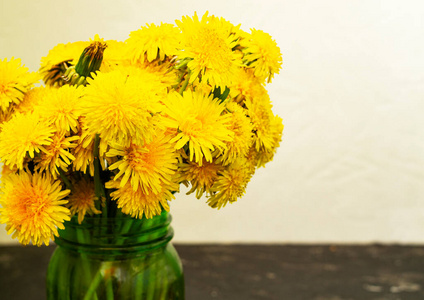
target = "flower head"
x: 84, y: 150
x: 15, y: 81
x: 242, y: 139
x: 121, y: 107
x: 208, y: 44
x: 31, y: 99
x: 262, y: 54
x: 114, y: 56
x: 82, y: 199
x: 267, y: 127
x: 230, y: 184
x: 163, y: 75
x: 137, y: 203
x: 275, y: 132
x: 200, y: 176
x: 69, y: 52
x: 58, y: 60
x: 84, y: 158
x: 33, y: 207
x: 57, y: 155
x: 23, y: 135
x: 61, y: 107
x: 245, y: 86
x: 199, y: 122
x: 153, y: 42
x: 147, y: 167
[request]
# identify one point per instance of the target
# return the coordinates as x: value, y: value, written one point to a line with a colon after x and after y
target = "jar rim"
x: 100, y: 235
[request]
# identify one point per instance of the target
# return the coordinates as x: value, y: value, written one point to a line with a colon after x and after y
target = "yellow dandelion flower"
x: 153, y: 42
x: 231, y: 184
x: 265, y: 123
x: 84, y: 151
x: 242, y: 128
x: 23, y: 135
x: 200, y: 176
x: 245, y: 85
x: 61, y: 57
x: 265, y: 155
x: 120, y: 108
x: 163, y: 74
x: 137, y: 203
x: 32, y: 207
x: 262, y: 54
x: 64, y: 52
x: 147, y: 167
x: 114, y: 56
x: 199, y: 122
x: 82, y: 199
x: 15, y: 81
x: 252, y: 159
x: 208, y: 44
x: 57, y: 155
x: 31, y: 99
x: 84, y: 158
x: 157, y: 78
x: 61, y: 107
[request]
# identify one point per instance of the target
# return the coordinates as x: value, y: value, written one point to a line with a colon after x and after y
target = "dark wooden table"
x: 244, y: 272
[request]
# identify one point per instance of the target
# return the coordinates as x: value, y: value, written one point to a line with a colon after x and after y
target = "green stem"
x: 91, y: 292
x: 154, y: 266
x: 125, y: 229
x: 178, y: 80
x: 162, y: 284
x: 98, y: 278
x: 151, y: 285
x: 109, y: 289
x: 139, y: 285
x: 182, y: 64
x: 97, y: 168
x: 64, y: 282
x: 185, y: 84
x: 65, y: 179
x: 98, y: 184
x: 85, y: 262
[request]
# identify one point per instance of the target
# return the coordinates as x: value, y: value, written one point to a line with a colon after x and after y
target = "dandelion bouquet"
x: 118, y: 126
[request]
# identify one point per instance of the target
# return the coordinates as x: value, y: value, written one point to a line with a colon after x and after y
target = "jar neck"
x: 117, y: 235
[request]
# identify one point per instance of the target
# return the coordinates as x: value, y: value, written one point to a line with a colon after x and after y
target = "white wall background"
x: 350, y: 168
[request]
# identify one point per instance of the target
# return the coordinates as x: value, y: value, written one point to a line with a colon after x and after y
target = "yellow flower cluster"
x: 15, y: 82
x: 123, y: 124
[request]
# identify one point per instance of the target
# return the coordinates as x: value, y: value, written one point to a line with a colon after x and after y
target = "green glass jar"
x: 115, y: 258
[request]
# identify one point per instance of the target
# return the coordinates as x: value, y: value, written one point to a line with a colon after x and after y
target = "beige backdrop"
x: 351, y: 95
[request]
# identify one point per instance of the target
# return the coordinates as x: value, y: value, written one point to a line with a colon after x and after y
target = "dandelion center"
x: 211, y: 52
x: 141, y: 159
x: 192, y: 126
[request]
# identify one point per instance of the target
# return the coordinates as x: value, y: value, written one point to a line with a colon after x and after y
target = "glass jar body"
x: 116, y: 259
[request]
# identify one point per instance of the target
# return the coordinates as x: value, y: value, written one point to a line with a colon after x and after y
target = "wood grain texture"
x: 232, y: 272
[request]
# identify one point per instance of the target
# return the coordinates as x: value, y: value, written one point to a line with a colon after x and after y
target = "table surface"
x: 233, y: 272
